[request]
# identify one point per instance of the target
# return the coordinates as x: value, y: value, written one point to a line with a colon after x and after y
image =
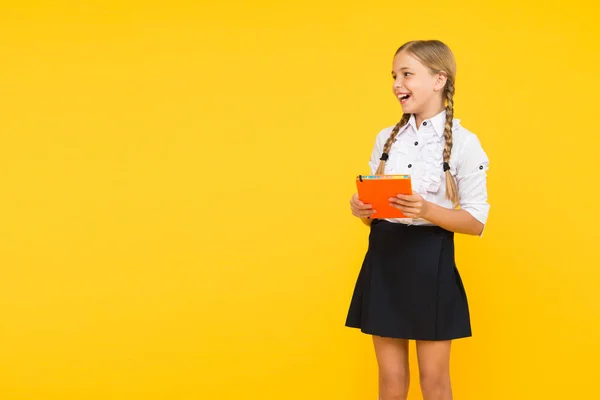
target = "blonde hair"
x: 438, y: 57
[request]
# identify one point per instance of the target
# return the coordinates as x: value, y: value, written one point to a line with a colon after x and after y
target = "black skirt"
x: 409, y: 286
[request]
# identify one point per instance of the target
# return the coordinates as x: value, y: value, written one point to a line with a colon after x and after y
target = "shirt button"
x: 425, y: 123
x: 416, y: 143
x: 409, y: 165
x: 481, y: 167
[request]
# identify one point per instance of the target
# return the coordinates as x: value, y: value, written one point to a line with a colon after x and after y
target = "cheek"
x: 419, y: 91
x: 413, y: 87
x: 415, y: 91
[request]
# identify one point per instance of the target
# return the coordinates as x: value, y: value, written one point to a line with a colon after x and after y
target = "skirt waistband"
x: 399, y: 226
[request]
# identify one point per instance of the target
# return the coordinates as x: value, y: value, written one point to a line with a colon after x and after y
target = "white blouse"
x: 419, y: 152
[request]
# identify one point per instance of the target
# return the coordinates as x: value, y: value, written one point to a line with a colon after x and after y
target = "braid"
x: 451, y: 190
x: 389, y: 142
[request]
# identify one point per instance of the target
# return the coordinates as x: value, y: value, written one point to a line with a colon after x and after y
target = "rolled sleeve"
x: 471, y: 180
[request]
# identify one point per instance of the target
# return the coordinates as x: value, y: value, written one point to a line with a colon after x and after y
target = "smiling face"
x: 418, y: 89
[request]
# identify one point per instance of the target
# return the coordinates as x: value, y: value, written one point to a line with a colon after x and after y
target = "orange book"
x: 377, y: 189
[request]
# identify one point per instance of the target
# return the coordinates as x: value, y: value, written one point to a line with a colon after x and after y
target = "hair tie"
x: 446, y: 166
x: 384, y: 157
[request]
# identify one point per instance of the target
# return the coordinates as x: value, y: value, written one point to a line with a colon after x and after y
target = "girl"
x: 409, y: 286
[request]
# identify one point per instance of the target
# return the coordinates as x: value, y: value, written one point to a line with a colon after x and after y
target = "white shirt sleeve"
x: 377, y: 150
x: 471, y: 180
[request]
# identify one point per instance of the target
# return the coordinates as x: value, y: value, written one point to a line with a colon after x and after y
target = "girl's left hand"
x: 412, y: 206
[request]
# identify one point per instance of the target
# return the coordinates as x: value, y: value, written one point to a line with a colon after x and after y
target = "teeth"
x: 403, y: 96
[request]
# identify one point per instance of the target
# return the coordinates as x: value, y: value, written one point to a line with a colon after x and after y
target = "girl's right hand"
x: 360, y: 209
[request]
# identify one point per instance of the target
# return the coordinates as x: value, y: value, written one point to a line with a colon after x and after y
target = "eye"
x: 407, y: 73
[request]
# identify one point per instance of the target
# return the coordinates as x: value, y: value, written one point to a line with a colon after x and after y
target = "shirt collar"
x: 438, y: 122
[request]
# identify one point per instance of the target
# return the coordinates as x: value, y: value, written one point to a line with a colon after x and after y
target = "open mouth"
x: 403, y: 98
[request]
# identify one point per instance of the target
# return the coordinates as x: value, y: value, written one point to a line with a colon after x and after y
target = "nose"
x: 398, y: 83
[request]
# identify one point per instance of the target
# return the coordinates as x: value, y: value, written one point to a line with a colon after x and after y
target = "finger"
x: 407, y: 210
x: 403, y: 202
x: 362, y: 210
x: 363, y: 214
x: 410, y: 197
x: 409, y: 215
x: 361, y: 205
x: 356, y: 199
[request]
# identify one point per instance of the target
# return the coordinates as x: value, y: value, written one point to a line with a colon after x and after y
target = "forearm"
x: 459, y: 221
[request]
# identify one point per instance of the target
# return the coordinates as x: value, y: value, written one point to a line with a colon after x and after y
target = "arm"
x: 471, y: 183
x: 459, y: 221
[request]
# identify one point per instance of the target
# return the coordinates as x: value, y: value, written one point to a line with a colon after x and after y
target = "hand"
x: 412, y: 206
x: 360, y: 209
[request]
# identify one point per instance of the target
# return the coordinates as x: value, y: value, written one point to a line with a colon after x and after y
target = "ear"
x: 440, y: 81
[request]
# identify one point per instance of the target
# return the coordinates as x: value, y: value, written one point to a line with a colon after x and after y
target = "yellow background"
x: 175, y: 180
